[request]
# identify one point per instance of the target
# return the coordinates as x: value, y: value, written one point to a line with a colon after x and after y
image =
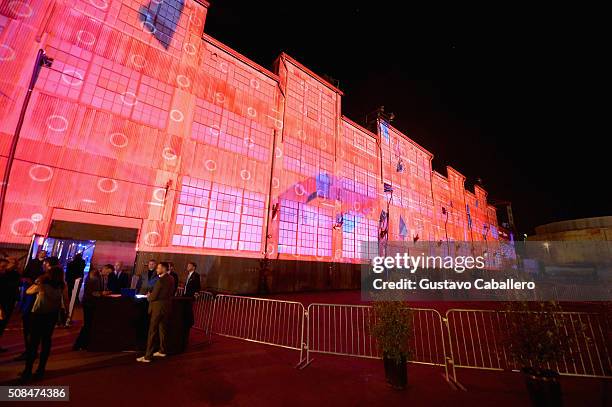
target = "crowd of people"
x: 46, y: 290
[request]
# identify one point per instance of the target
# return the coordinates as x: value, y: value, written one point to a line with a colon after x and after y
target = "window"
x: 305, y: 229
x: 218, y: 216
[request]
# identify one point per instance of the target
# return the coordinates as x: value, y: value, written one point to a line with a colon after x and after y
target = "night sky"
x: 517, y: 107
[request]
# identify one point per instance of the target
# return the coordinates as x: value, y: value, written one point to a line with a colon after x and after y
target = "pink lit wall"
x: 143, y: 116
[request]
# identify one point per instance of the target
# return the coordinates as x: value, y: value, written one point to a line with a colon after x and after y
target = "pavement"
x: 232, y: 372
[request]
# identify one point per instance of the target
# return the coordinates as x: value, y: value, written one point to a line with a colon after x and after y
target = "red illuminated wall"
x: 142, y: 116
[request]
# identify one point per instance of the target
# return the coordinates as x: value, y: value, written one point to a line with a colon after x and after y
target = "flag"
x: 403, y: 229
x: 383, y: 225
x: 383, y: 217
x: 384, y: 130
x: 387, y: 187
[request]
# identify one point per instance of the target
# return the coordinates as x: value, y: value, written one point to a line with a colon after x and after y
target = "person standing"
x: 34, y: 267
x: 160, y: 307
x: 30, y: 275
x: 50, y: 291
x: 9, y: 285
x: 192, y: 284
x: 75, y: 269
x: 192, y: 287
x: 93, y: 287
x: 117, y: 279
x: 148, y: 278
x: 174, y: 276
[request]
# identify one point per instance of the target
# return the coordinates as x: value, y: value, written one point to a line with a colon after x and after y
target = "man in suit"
x: 93, y: 287
x: 192, y: 284
x: 174, y: 276
x: 160, y: 307
x: 148, y: 278
x: 117, y: 279
x: 75, y: 269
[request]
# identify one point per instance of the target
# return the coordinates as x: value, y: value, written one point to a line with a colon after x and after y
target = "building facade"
x: 169, y: 141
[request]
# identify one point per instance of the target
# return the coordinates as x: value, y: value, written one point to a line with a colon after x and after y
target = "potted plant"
x: 537, y: 338
x: 392, y: 328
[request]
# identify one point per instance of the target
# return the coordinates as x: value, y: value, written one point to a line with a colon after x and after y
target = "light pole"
x: 42, y: 60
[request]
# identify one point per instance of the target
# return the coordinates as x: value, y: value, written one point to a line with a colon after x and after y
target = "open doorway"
x: 65, y: 249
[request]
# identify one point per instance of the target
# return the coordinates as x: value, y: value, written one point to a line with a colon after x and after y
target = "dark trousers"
x: 26, y: 325
x: 83, y: 339
x: 70, y: 285
x: 7, y: 306
x: 158, y: 332
x: 41, y: 330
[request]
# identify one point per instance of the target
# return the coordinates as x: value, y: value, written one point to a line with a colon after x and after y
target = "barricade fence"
x: 340, y: 329
x: 477, y: 341
x: 462, y: 338
x: 203, y: 312
x: 272, y: 322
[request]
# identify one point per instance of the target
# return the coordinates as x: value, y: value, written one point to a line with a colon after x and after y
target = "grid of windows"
x: 304, y: 159
x: 304, y: 229
x: 154, y: 99
x: 223, y: 223
x: 111, y: 86
x: 220, y: 128
x: 359, y: 237
x: 67, y: 75
x: 218, y: 216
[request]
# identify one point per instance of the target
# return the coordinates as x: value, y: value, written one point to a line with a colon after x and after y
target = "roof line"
x: 358, y: 126
x: 411, y: 140
x: 240, y: 57
x: 311, y: 73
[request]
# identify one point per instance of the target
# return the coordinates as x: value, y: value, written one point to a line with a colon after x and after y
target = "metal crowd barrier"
x: 272, y: 322
x: 476, y: 341
x: 471, y: 339
x: 203, y: 312
x: 340, y: 329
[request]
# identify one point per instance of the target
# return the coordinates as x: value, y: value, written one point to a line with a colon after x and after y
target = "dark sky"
x: 518, y: 105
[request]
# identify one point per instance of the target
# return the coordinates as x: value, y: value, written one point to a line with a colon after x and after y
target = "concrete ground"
x: 237, y: 373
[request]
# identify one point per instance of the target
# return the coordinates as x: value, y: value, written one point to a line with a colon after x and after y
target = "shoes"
x: 24, y: 376
x: 159, y: 355
x: 38, y: 375
x: 23, y: 357
x: 142, y: 359
x: 20, y: 357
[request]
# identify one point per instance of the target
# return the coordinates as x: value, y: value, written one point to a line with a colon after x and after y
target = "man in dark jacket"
x: 34, y: 269
x: 160, y: 307
x: 192, y: 284
x: 93, y: 287
x: 174, y: 276
x: 75, y: 269
x: 117, y: 279
x: 9, y: 284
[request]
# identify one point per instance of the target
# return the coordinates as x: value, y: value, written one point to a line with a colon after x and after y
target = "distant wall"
x: 242, y: 275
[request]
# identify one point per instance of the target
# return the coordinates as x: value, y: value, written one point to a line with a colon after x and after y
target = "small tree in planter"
x: 392, y: 329
x: 537, y: 339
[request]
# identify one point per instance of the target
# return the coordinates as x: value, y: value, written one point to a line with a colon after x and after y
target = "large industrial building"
x: 148, y: 138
